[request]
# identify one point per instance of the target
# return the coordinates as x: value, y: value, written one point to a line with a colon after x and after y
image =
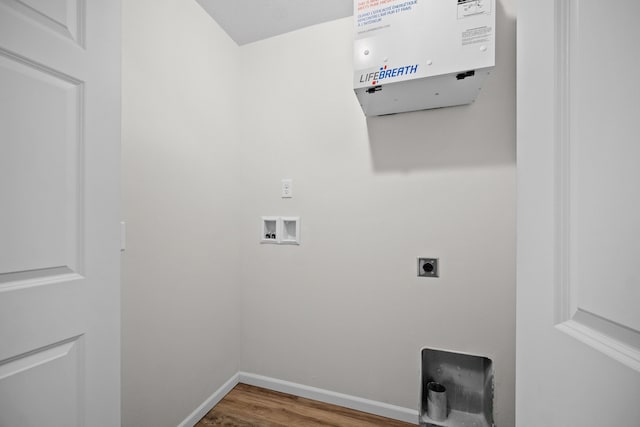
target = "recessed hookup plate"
x: 428, y: 267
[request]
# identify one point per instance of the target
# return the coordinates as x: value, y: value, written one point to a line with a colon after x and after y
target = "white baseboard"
x: 326, y: 396
x: 321, y: 395
x: 212, y: 401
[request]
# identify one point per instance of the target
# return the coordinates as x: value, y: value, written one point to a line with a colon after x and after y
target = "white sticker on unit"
x: 467, y: 8
x: 477, y: 35
x: 374, y: 15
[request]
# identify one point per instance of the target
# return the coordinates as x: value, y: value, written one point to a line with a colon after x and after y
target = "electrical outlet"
x: 287, y: 188
x: 428, y: 267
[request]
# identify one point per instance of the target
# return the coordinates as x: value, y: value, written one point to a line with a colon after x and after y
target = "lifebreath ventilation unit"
x: 419, y: 54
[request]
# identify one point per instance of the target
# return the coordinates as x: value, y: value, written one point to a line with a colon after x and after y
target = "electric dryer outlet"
x: 428, y: 267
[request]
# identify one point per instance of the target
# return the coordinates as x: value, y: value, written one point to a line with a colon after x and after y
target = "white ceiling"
x: 247, y: 21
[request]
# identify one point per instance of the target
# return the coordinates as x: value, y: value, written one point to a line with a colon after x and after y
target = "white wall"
x: 180, y: 295
x: 345, y: 310
x: 204, y: 120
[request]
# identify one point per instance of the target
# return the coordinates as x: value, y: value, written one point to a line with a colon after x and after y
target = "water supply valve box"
x: 419, y: 54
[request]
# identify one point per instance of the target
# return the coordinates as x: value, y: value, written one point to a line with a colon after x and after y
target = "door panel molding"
x: 70, y: 24
x: 612, y: 338
x: 45, y: 276
x: 65, y: 257
x: 44, y: 386
x: 41, y: 356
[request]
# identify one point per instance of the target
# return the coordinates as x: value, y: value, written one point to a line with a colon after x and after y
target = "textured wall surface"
x: 210, y: 129
x: 345, y: 311
x: 180, y: 290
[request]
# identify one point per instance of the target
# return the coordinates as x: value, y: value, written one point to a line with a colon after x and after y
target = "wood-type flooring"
x: 249, y: 406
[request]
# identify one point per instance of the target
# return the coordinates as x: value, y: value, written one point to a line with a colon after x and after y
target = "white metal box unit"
x: 419, y: 54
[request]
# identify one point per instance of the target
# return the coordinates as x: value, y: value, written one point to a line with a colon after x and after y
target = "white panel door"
x: 59, y: 213
x: 578, y: 297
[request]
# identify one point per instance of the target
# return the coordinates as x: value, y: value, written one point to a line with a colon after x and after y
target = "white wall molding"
x: 327, y: 396
x: 352, y: 402
x: 211, y: 401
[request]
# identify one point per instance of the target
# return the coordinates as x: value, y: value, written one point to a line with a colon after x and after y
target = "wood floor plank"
x: 250, y: 406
